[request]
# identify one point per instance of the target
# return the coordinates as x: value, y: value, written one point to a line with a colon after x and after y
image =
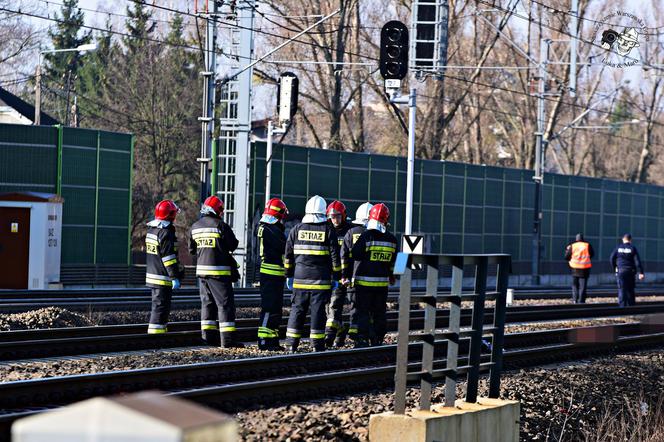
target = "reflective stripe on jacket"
x: 347, y: 264
x: 213, y: 241
x: 162, y: 265
x: 272, y: 245
x: 580, y: 256
x: 374, y: 254
x: 312, y: 256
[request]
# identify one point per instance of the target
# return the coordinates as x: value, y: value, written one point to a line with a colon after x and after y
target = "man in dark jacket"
x: 347, y: 267
x: 272, y: 246
x: 163, y: 270
x: 374, y: 254
x: 579, y: 254
x: 213, y: 241
x: 336, y: 214
x: 626, y: 262
x: 313, y: 270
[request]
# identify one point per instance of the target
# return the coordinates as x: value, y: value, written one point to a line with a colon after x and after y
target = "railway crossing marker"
x: 412, y: 244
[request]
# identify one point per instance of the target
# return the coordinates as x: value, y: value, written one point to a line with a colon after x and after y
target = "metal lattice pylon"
x: 235, y: 121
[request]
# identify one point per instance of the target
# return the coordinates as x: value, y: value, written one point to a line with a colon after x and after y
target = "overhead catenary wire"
x: 167, y: 43
x: 498, y: 111
x: 313, y: 44
x: 566, y: 33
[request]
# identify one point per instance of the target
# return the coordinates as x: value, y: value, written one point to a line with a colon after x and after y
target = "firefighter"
x: 163, y: 270
x: 360, y: 221
x: 213, y: 241
x: 626, y: 261
x: 374, y: 254
x: 578, y: 255
x: 272, y: 246
x: 313, y: 270
x: 336, y: 214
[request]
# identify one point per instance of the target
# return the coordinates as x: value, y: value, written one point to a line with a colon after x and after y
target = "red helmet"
x: 166, y: 210
x: 336, y: 208
x: 215, y: 204
x: 380, y: 213
x: 276, y: 208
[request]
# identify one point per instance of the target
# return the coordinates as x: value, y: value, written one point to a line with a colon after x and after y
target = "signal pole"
x: 411, y: 101
x: 287, y: 95
x: 540, y: 145
x: 271, y: 131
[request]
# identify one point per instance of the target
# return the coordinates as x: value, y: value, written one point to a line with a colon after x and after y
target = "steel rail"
x: 31, y: 344
x: 117, y: 299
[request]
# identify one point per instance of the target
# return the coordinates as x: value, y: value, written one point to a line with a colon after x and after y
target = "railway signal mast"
x: 287, y: 94
x: 394, y: 68
x: 423, y: 51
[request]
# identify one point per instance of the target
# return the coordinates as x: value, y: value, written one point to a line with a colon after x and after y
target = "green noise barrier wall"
x: 90, y: 169
x: 463, y: 208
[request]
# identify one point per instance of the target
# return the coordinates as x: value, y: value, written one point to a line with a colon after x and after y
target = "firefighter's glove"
x: 289, y: 283
x: 176, y: 284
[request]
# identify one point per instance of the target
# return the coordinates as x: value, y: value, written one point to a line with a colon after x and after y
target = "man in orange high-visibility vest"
x: 579, y: 254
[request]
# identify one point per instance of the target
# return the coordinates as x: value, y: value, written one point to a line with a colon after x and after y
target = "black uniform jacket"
x: 626, y: 257
x: 213, y: 241
x: 272, y: 246
x: 312, y: 256
x: 374, y: 254
x: 349, y: 240
x: 161, y: 250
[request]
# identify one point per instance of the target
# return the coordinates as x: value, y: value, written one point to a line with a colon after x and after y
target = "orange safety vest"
x: 580, y: 256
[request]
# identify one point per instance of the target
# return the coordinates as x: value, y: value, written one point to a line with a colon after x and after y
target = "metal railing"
x: 453, y: 335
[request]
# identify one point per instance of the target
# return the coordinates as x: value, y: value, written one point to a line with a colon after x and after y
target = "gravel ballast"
x: 560, y: 403
x: 63, y: 366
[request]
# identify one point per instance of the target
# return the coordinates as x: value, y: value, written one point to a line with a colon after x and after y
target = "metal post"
x: 574, y: 29
x: 497, y: 342
x: 539, y: 161
x: 412, y: 111
x: 98, y: 163
x: 401, y: 373
x: 268, y: 162
x: 429, y: 332
x: 38, y: 92
x: 477, y: 326
x: 454, y: 327
x: 131, y: 192
x: 207, y: 120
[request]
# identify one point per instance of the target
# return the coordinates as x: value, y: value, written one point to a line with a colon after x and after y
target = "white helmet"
x: 315, y: 210
x: 362, y: 214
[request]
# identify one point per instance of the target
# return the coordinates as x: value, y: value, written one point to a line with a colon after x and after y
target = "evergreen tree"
x: 139, y: 27
x: 61, y: 69
x: 92, y: 77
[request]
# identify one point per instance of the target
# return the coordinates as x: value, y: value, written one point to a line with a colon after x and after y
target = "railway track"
x: 245, y: 383
x: 41, y: 343
x: 137, y: 299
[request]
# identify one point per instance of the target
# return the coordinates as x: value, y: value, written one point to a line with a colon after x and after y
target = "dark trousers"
x: 217, y: 304
x: 579, y: 285
x: 303, y: 301
x: 161, y: 308
x: 368, y: 314
x: 272, y: 303
x: 335, y: 310
x: 626, y: 283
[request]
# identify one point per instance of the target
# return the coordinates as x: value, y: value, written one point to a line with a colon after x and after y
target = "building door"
x: 14, y: 247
